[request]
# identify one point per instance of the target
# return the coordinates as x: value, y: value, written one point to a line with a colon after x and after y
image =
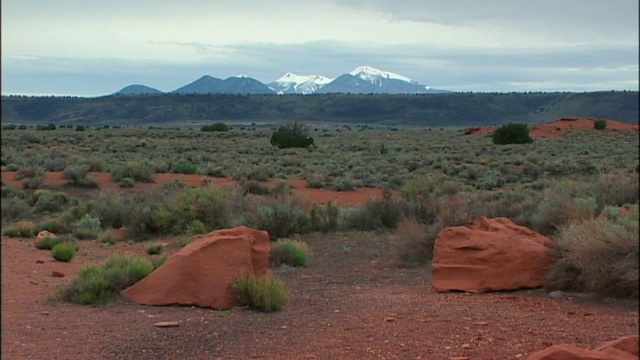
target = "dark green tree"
x: 292, y: 134
x: 512, y: 134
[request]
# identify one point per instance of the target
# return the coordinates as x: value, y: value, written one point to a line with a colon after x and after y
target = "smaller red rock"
x: 164, y: 324
x: 55, y: 273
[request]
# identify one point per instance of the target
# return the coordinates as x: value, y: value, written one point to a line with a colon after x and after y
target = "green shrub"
x: 127, y: 182
x: 263, y: 293
x: 290, y: 252
x: 376, y: 214
x: 33, y: 183
x: 64, y: 251
x: 79, y: 176
x: 87, y: 228
x: 512, y: 134
x: 600, y: 124
x: 280, y: 220
x: 208, y: 205
x: 184, y: 241
x: 80, y: 128
x: 97, y: 284
x: 47, y: 243
x: 24, y: 228
x: 50, y: 201
x: 197, y: 227
x: 222, y: 127
x: 324, y: 217
x: 291, y: 135
x: 185, y: 168
x: 14, y: 209
x: 12, y: 192
x: 137, y: 171
x: 157, y: 262
x: 155, y: 249
x: 598, y: 256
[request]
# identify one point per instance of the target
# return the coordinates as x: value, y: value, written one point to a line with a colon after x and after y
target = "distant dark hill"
x: 441, y: 110
x: 233, y: 85
x: 137, y: 89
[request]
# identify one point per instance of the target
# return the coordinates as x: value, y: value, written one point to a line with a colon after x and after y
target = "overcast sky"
x: 97, y: 47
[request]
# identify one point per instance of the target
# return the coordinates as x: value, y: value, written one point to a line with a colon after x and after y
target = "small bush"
x: 512, y: 134
x: 185, y: 168
x: 324, y: 217
x: 79, y: 176
x: 155, y: 249
x: 50, y: 201
x: 56, y: 226
x: 157, y: 262
x: 222, y: 127
x: 23, y: 229
x: 127, y: 182
x: 14, y: 209
x: 600, y: 124
x: 64, y: 251
x: 197, y: 227
x: 135, y: 171
x: 292, y: 134
x: 88, y: 227
x: 413, y: 242
x: 598, y: 256
x: 184, y: 241
x: 47, y: 243
x: 264, y: 293
x: 290, y: 252
x: 280, y: 220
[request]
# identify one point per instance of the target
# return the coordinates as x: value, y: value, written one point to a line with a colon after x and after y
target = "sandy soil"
x: 558, y: 129
x: 350, y: 303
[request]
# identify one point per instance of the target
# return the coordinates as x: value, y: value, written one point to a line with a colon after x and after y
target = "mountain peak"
x: 373, y: 75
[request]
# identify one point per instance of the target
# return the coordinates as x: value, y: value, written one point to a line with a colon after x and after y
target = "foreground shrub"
x: 290, y: 252
x: 413, y: 242
x: 47, y: 243
x: 87, y: 228
x: 263, y: 293
x: 24, y: 228
x: 599, y: 256
x: 292, y: 134
x: 97, y: 284
x: 600, y: 124
x: 64, y: 251
x: 512, y: 134
x: 134, y: 171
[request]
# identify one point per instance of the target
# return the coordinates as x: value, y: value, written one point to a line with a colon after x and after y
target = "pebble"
x: 164, y: 324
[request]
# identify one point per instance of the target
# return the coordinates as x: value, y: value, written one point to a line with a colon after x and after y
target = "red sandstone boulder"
x: 489, y: 255
x: 43, y: 235
x: 200, y: 273
x: 625, y: 348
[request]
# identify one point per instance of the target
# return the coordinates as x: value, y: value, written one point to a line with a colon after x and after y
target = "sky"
x: 96, y: 47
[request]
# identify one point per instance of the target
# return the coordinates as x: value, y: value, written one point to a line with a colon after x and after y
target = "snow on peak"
x: 298, y: 79
x: 241, y: 76
x: 373, y: 75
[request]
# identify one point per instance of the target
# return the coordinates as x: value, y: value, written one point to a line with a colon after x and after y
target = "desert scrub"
x: 155, y: 249
x: 88, y: 227
x: 261, y: 293
x: 324, y: 217
x: 97, y: 284
x: 64, y: 251
x: 512, y: 134
x: 78, y: 175
x: 13, y: 209
x: 24, y: 228
x: 50, y: 201
x: 47, y: 243
x: 208, y: 205
x: 599, y: 256
x: 413, y: 242
x: 133, y: 170
x: 290, y: 252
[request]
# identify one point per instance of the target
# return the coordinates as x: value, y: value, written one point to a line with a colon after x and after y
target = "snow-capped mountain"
x: 361, y: 80
x: 369, y: 80
x: 298, y: 84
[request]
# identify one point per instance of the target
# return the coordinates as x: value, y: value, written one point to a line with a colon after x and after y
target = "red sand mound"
x: 557, y: 129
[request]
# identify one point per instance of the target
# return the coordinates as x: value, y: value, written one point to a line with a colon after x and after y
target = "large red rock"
x: 625, y: 348
x: 489, y: 255
x: 200, y: 273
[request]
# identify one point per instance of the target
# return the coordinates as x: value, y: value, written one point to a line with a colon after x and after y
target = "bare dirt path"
x: 350, y: 303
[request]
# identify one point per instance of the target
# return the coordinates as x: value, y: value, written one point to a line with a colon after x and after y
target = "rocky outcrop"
x: 625, y: 348
x: 200, y: 274
x: 43, y: 235
x: 489, y: 255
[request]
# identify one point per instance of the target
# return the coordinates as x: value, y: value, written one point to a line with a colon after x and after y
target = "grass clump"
x: 155, y: 249
x: 97, y: 284
x: 64, y: 251
x: 599, y: 255
x: 290, y: 252
x: 261, y: 293
x: 47, y: 243
x: 24, y: 228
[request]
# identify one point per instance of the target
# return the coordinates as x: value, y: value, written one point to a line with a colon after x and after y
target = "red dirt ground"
x: 354, y: 198
x: 350, y: 303
x: 557, y: 129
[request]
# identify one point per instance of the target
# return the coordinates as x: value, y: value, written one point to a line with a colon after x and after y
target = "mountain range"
x: 361, y: 80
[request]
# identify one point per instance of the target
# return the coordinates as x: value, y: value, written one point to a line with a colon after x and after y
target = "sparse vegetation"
x: 261, y: 293
x: 290, y: 252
